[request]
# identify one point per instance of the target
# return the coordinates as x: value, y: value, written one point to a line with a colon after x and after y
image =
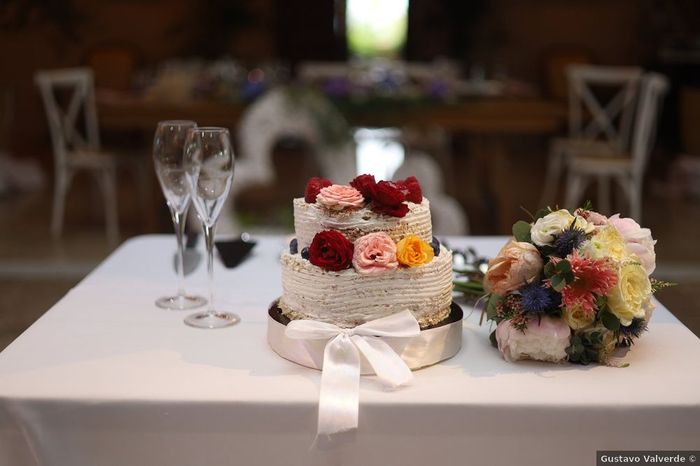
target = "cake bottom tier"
x: 434, y: 344
x: 348, y: 299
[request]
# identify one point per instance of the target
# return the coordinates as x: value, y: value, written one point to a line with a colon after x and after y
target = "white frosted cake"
x: 363, y: 252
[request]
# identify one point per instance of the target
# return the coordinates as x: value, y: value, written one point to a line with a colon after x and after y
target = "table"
x: 488, y: 121
x: 106, y: 378
x: 483, y: 115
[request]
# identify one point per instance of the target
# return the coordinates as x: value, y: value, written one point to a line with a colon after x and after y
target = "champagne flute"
x: 209, y: 171
x: 168, y: 158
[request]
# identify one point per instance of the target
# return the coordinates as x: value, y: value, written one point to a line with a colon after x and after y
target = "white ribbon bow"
x: 340, y: 379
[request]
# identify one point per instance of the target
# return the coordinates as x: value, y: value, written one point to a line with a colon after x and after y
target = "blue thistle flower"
x: 536, y: 298
x: 632, y: 331
x: 568, y: 240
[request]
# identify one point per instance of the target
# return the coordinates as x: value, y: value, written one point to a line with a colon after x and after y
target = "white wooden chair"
x: 76, y: 146
x: 625, y: 167
x: 594, y: 127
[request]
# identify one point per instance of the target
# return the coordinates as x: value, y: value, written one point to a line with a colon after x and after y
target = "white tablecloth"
x: 106, y: 378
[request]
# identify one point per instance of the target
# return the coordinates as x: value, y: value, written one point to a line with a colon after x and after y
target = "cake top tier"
x: 364, y: 206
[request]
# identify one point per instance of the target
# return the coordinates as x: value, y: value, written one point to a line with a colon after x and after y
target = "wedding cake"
x: 362, y: 252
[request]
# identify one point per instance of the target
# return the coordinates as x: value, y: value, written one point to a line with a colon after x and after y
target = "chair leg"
x: 61, y: 185
x: 554, y: 168
x: 142, y: 174
x: 604, y: 201
x: 107, y: 180
x: 574, y: 188
x: 636, y: 199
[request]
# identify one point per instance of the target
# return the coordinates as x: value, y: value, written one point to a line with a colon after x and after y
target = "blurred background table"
x: 488, y: 122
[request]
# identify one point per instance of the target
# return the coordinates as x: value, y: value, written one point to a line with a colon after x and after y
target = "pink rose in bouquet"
x: 545, y: 339
x: 516, y: 264
x: 638, y: 239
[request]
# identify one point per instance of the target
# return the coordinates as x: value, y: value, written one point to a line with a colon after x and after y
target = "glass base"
x: 180, y: 303
x: 212, y: 320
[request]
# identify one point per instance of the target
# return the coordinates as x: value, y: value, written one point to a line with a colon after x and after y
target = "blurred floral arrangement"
x: 224, y: 79
x: 385, y: 81
x: 570, y: 286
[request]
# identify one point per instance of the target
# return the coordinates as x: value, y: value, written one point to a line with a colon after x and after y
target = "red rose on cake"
x: 330, y: 250
x: 388, y: 199
x: 411, y: 189
x: 365, y: 184
x: 313, y: 187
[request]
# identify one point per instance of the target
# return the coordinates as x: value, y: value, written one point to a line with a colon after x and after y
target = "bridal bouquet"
x: 571, y: 286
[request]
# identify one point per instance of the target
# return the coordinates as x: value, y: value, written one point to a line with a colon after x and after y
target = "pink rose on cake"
x: 638, y: 239
x: 374, y: 253
x: 339, y: 197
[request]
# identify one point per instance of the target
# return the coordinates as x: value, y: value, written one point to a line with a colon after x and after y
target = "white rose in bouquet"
x: 545, y: 339
x: 546, y: 228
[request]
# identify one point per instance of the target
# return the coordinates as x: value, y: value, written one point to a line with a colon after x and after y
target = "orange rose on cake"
x: 413, y: 251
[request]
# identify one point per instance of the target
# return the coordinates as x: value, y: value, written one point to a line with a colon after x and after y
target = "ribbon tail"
x: 389, y: 367
x: 340, y: 387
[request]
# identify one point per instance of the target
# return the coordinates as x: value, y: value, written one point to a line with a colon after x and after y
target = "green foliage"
x: 491, y: 306
x: 549, y: 269
x: 585, y: 349
x: 542, y: 213
x: 588, y: 205
x: 657, y: 285
x: 492, y: 339
x: 609, y: 320
x: 521, y: 231
x: 469, y: 287
x: 560, y: 274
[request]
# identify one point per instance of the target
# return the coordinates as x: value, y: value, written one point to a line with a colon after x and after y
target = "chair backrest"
x: 64, y: 121
x: 589, y: 118
x: 318, y: 71
x: 555, y: 63
x: 654, y: 87
x: 286, y: 111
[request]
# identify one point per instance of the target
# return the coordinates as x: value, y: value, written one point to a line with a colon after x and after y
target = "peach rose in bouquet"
x: 516, y: 264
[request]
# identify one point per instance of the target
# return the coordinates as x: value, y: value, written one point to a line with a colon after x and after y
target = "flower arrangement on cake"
x: 571, y: 286
x: 374, y: 252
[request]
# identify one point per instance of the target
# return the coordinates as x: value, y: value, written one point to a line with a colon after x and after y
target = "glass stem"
x: 209, y: 239
x: 179, y: 224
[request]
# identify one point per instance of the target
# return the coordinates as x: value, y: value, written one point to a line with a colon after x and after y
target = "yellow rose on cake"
x: 629, y: 297
x: 412, y: 251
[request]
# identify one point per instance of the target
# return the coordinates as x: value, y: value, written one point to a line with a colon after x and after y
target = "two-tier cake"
x: 363, y: 252
x: 366, y: 290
